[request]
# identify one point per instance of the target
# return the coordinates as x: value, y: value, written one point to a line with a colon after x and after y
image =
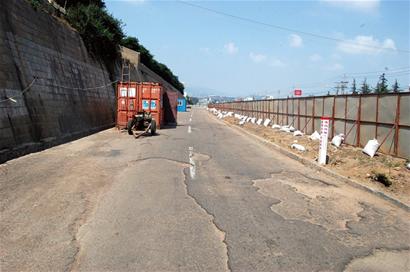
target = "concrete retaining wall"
x: 59, y: 106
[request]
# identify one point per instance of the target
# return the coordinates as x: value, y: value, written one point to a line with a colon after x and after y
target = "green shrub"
x: 382, y: 178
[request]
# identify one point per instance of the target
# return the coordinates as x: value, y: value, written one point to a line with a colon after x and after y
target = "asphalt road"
x: 198, y: 197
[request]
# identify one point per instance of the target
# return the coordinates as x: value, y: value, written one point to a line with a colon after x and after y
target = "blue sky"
x: 217, y: 54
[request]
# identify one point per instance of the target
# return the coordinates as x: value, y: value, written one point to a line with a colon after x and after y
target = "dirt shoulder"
x: 346, y: 160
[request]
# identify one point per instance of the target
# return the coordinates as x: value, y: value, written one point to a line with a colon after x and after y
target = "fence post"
x: 313, y: 115
x: 333, y: 116
x: 298, y: 114
x: 397, y: 123
x: 344, y: 131
x: 359, y: 116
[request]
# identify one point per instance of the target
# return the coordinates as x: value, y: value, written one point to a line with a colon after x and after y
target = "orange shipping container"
x: 134, y: 97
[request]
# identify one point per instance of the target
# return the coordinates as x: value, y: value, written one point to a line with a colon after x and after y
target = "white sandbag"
x: 298, y: 147
x: 297, y: 133
x: 276, y: 126
x: 259, y: 122
x: 315, y: 136
x: 338, y: 140
x: 241, y: 122
x: 253, y: 120
x: 266, y: 122
x: 408, y: 166
x: 248, y: 119
x: 285, y: 128
x: 371, y: 147
x: 292, y: 129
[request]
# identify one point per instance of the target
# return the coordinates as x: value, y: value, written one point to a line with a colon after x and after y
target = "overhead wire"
x: 288, y: 29
x: 28, y: 88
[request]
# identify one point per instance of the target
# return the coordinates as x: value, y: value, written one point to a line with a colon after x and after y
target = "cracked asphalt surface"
x: 199, y: 197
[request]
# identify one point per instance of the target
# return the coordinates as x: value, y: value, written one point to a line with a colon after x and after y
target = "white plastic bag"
x: 253, y: 120
x: 266, y: 122
x: 298, y: 147
x: 315, y: 136
x: 259, y: 122
x: 371, y: 147
x: 338, y: 140
x: 275, y: 126
x: 297, y: 133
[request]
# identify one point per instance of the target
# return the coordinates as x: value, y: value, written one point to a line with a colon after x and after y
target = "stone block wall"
x: 62, y: 103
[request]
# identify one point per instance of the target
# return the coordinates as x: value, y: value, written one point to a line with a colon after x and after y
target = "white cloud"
x: 231, y: 48
x: 295, y: 40
x: 315, y: 57
x: 255, y: 57
x: 334, y: 67
x: 366, y: 45
x: 277, y: 63
x: 359, y: 5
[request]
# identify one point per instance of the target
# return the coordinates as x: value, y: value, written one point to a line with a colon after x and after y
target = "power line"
x: 28, y: 88
x: 387, y: 71
x: 288, y: 29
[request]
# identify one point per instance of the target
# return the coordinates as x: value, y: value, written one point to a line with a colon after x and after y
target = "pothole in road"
x: 310, y: 199
x: 381, y: 260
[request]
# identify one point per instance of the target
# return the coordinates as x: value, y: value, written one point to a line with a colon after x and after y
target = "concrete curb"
x: 318, y: 167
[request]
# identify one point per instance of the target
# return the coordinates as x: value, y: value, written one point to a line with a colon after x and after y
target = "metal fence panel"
x: 387, y: 106
x: 369, y: 108
x: 405, y: 110
x: 340, y: 107
x: 404, y: 145
x: 361, y: 117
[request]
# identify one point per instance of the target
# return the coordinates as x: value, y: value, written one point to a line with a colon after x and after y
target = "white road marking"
x: 189, y: 129
x: 190, y: 119
x: 192, y: 170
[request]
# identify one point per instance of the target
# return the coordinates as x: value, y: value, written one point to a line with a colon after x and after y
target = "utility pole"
x: 337, y: 87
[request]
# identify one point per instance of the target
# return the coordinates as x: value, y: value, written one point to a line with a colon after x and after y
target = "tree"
x: 100, y: 31
x: 72, y: 3
x: 365, y: 89
x: 395, y: 87
x: 354, y: 90
x: 381, y: 86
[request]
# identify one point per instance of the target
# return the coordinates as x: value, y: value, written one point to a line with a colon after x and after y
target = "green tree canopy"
x: 381, y: 86
x: 100, y: 31
x: 365, y: 89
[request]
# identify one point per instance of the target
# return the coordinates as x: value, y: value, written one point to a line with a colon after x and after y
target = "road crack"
x: 217, y: 228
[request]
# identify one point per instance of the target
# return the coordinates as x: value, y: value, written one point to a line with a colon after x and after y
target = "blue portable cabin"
x: 181, y: 104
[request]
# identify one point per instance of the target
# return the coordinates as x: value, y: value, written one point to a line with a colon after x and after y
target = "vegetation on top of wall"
x: 72, y: 3
x: 100, y: 31
x: 102, y: 35
x: 148, y: 59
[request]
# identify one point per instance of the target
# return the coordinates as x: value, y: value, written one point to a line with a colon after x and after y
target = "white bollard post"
x: 324, y: 132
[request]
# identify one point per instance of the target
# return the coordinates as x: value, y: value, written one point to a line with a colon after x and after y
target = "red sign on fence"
x: 298, y: 92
